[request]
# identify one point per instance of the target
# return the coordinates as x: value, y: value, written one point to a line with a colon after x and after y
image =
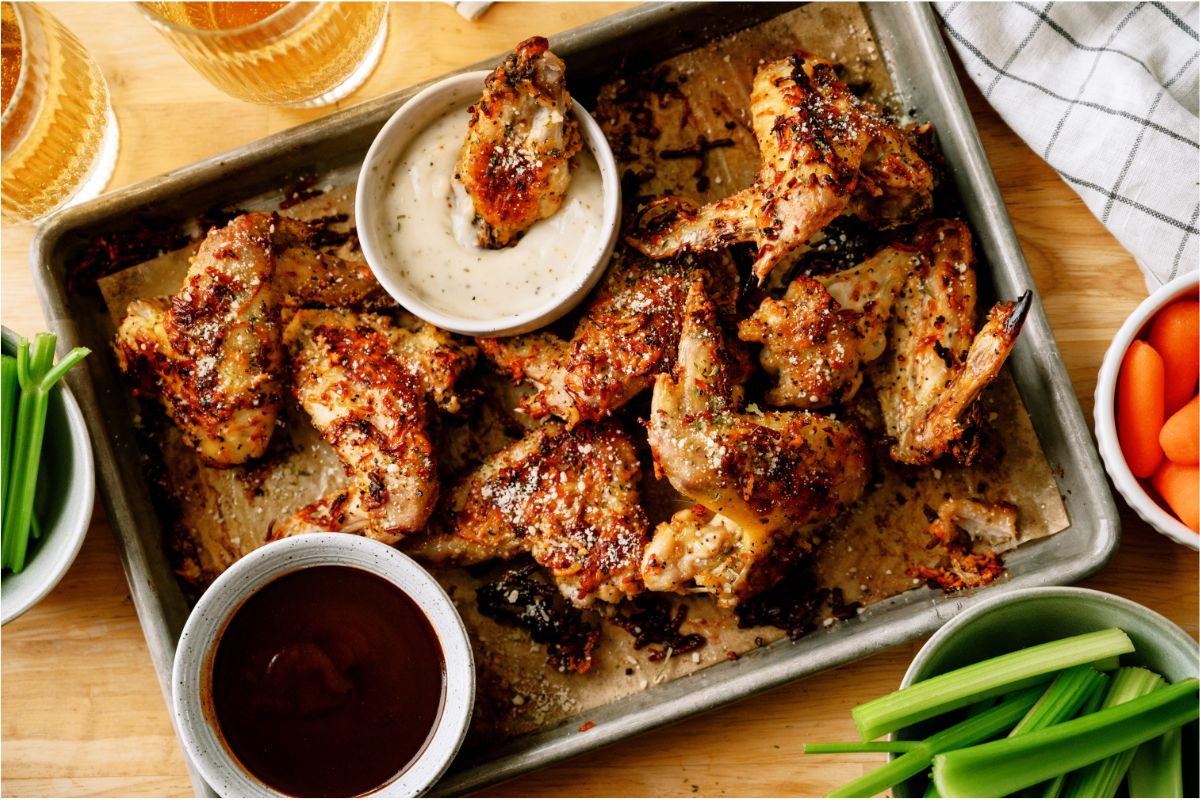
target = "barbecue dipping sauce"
x: 328, y: 681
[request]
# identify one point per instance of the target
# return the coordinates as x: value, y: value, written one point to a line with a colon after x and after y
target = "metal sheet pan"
x: 911, y: 45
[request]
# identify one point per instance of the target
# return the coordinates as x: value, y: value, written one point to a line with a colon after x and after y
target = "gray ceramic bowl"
x: 197, y: 646
x: 374, y: 224
x: 67, y: 490
x: 1027, y: 617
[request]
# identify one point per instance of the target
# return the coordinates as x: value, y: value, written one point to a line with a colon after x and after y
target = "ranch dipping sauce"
x: 431, y: 245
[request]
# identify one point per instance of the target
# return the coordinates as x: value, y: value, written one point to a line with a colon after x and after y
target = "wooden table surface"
x: 82, y: 712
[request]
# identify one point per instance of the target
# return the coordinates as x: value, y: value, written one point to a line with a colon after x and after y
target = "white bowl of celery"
x: 1048, y: 692
x: 48, y: 482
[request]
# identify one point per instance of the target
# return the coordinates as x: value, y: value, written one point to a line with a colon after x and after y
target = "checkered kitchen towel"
x: 1107, y: 94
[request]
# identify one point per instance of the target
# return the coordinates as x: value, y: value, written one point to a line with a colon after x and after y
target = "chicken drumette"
x: 212, y: 353
x: 567, y: 497
x: 515, y: 162
x: 824, y: 152
x: 936, y: 364
x: 762, y: 478
x: 364, y: 382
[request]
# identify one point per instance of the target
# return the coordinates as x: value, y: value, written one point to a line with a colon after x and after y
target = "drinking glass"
x: 59, y: 134
x: 292, y: 54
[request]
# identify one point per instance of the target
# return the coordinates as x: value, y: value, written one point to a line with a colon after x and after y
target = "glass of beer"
x: 59, y: 133
x: 291, y: 54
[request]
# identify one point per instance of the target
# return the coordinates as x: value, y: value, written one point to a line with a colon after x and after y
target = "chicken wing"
x: 628, y: 334
x: 817, y: 337
x: 364, y: 382
x: 936, y: 365
x: 824, y: 152
x: 769, y: 476
x: 567, y: 497
x: 212, y: 353
x: 515, y: 162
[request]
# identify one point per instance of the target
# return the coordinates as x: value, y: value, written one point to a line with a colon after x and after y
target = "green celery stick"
x: 8, y: 417
x: 999, y: 768
x: 1053, y: 787
x: 968, y: 732
x: 1070, y: 690
x: 1157, y: 768
x: 1103, y: 778
x: 995, y: 676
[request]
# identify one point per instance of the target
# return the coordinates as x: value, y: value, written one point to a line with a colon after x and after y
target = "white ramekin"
x: 390, y: 144
x: 1146, y: 506
x: 197, y: 648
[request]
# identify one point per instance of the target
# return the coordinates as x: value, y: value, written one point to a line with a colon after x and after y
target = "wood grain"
x: 82, y: 711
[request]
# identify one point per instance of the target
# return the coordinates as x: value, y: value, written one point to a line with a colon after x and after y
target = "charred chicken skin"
x: 937, y: 364
x: 364, y: 382
x: 515, y: 162
x: 824, y: 152
x: 212, y: 353
x: 629, y: 334
x: 768, y: 475
x: 567, y: 497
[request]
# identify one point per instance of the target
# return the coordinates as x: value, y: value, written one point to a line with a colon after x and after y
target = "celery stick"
x: 1070, y: 690
x: 989, y: 678
x: 968, y: 732
x: 1103, y: 778
x: 8, y: 417
x: 1053, y: 787
x: 1157, y: 768
x: 859, y: 747
x: 999, y: 768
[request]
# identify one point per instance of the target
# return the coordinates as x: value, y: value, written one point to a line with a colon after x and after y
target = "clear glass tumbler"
x: 291, y: 54
x: 59, y: 134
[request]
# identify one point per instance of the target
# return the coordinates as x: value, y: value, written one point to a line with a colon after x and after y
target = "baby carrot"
x: 1175, y: 334
x: 1140, y: 408
x: 1180, y: 436
x: 1179, y: 485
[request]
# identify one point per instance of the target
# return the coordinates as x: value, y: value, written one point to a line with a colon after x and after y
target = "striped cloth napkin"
x: 1107, y: 94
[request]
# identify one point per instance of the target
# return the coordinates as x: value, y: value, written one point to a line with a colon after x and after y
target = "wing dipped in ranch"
x: 515, y: 162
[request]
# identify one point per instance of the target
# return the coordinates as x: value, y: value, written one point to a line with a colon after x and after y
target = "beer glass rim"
x: 156, y: 19
x: 23, y: 73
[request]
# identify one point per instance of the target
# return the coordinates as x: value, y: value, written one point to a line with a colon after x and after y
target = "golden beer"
x: 298, y: 54
x: 59, y: 133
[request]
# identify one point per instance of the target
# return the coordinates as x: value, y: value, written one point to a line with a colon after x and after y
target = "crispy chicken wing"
x: 768, y: 476
x: 364, y: 382
x: 515, y: 162
x: 824, y: 152
x: 936, y: 365
x: 567, y: 497
x: 212, y: 353
x: 628, y: 334
x: 819, y: 334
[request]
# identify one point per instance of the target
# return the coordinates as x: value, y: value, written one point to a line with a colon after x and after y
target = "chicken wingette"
x: 212, y: 354
x: 515, y: 162
x: 824, y: 152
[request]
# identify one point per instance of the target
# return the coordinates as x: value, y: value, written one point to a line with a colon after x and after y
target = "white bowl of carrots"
x: 1148, y: 414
